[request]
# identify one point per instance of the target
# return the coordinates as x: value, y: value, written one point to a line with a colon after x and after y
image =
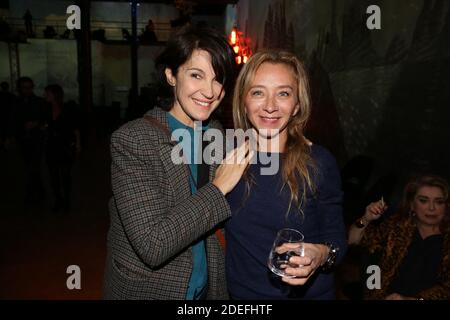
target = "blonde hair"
x: 297, y: 161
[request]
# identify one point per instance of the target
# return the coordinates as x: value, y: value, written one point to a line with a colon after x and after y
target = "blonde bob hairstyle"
x: 297, y: 162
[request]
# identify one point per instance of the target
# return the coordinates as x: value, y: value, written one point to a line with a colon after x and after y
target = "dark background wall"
x: 382, y: 93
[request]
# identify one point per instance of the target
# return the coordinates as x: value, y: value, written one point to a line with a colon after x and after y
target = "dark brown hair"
x: 57, y: 92
x: 179, y: 50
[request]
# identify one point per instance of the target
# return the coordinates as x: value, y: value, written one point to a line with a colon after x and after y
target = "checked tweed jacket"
x: 155, y: 219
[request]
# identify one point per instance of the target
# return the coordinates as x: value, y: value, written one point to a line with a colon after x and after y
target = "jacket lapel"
x: 179, y: 173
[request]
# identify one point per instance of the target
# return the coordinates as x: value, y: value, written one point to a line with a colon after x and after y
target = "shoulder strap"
x: 153, y: 121
x: 202, y: 179
x: 221, y: 237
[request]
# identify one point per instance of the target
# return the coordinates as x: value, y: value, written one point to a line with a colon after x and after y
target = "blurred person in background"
x: 7, y: 100
x: 62, y: 145
x: 413, y: 244
x: 30, y: 117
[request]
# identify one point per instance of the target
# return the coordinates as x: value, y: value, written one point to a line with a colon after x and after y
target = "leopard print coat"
x: 392, y: 238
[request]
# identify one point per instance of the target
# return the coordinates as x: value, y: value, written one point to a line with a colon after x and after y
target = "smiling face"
x: 429, y: 205
x: 196, y: 90
x: 272, y: 100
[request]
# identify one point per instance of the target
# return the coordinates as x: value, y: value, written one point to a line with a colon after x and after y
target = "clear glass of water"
x: 288, y: 243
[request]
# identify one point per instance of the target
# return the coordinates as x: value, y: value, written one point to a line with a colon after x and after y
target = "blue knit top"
x: 257, y: 218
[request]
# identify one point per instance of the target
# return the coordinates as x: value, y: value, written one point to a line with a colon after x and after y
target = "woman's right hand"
x: 375, y: 210
x: 232, y: 167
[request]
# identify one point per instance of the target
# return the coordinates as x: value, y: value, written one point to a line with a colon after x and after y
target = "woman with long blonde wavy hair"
x: 271, y: 98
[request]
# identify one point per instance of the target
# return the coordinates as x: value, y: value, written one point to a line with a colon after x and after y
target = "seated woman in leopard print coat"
x: 413, y: 243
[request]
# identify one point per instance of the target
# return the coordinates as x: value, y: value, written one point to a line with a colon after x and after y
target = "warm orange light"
x: 233, y: 37
x: 241, y: 46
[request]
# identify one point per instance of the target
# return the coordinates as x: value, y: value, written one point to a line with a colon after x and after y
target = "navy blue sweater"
x: 254, y: 224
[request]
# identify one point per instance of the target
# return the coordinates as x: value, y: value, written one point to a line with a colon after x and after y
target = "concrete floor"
x: 37, y: 245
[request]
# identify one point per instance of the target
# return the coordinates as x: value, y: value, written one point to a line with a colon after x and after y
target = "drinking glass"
x: 288, y: 243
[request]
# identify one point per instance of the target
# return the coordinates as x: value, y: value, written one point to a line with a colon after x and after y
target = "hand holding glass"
x: 288, y: 243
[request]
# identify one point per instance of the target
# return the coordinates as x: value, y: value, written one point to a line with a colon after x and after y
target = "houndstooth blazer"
x: 155, y: 219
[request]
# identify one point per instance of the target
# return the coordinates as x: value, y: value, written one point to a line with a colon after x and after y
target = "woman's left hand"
x: 315, y: 255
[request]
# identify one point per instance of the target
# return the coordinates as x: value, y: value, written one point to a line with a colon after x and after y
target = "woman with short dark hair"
x: 162, y: 243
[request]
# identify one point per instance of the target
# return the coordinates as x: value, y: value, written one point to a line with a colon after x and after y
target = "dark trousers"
x: 32, y: 152
x: 60, y: 181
